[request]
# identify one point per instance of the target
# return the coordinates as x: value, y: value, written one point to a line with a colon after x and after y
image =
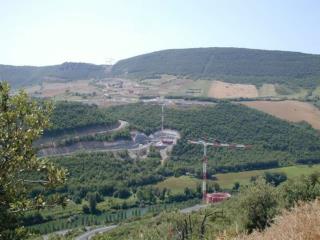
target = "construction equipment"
x: 217, y: 144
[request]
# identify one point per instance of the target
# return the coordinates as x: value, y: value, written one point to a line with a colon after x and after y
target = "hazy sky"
x: 43, y: 32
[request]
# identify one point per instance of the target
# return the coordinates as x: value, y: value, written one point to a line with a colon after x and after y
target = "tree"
x: 85, y: 209
x: 92, y: 203
x: 236, y: 186
x: 275, y: 178
x: 122, y: 193
x: 259, y: 202
x: 22, y: 121
x: 305, y: 188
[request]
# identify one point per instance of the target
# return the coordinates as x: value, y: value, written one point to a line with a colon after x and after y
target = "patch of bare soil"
x: 289, y: 110
x: 220, y: 89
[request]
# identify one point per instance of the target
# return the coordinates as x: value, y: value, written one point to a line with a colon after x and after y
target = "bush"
x: 85, y: 209
x: 122, y: 193
x: 275, y: 178
x: 306, y: 188
x: 259, y: 202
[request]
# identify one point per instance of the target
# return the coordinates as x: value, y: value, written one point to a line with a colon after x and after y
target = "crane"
x: 162, y: 117
x: 216, y: 144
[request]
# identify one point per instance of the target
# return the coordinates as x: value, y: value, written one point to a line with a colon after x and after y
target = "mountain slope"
x: 19, y: 76
x: 232, y: 64
x: 275, y: 142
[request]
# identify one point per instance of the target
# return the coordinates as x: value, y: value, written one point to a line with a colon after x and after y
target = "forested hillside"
x: 19, y: 76
x: 231, y: 64
x: 275, y: 142
x: 107, y: 174
x: 72, y: 116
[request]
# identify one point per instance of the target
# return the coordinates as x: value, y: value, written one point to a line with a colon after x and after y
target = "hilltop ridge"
x: 19, y: 76
x: 238, y: 65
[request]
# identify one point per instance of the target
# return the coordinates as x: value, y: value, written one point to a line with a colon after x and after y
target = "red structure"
x: 217, y: 197
x: 167, y: 141
x: 215, y: 144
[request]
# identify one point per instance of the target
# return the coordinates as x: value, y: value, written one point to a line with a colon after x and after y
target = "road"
x: 194, y: 208
x: 60, y: 233
x: 122, y: 125
x: 88, y: 235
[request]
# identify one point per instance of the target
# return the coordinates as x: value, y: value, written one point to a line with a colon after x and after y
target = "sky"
x: 47, y: 32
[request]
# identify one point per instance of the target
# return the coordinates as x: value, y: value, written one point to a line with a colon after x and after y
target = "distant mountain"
x: 19, y: 76
x: 231, y: 64
x: 236, y: 65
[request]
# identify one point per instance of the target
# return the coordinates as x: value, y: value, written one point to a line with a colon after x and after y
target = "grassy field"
x: 203, y: 85
x: 267, y: 90
x: 227, y: 180
x: 178, y: 184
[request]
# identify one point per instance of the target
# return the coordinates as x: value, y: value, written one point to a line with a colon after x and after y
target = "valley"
x: 121, y: 163
x: 123, y: 134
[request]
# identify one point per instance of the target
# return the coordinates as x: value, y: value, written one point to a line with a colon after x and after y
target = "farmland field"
x: 52, y: 89
x: 178, y: 184
x: 220, y: 89
x: 226, y: 180
x: 289, y: 110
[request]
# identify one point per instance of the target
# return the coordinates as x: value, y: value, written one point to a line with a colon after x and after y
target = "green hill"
x: 275, y: 142
x: 231, y: 64
x: 19, y: 76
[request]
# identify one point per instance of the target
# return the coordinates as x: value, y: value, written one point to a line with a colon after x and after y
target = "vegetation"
x: 302, y: 222
x: 275, y: 142
x: 21, y: 123
x: 68, y: 117
x: 253, y: 208
x: 227, y: 180
x: 107, y: 173
x: 258, y: 203
x: 19, y: 76
x: 236, y: 65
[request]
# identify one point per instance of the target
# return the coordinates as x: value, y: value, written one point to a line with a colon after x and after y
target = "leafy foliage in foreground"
x: 301, y: 222
x: 21, y: 123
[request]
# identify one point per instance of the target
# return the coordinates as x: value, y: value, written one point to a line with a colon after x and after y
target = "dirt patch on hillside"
x: 220, y: 89
x: 294, y: 111
x: 54, y: 89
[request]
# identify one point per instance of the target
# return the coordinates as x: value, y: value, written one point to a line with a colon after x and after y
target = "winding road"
x: 88, y: 235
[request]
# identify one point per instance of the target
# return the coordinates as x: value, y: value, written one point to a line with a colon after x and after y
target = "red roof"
x: 217, y: 197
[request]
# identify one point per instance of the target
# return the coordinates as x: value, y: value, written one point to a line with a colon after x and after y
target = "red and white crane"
x: 216, y: 144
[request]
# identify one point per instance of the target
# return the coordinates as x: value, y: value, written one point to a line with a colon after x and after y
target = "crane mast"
x: 215, y: 144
